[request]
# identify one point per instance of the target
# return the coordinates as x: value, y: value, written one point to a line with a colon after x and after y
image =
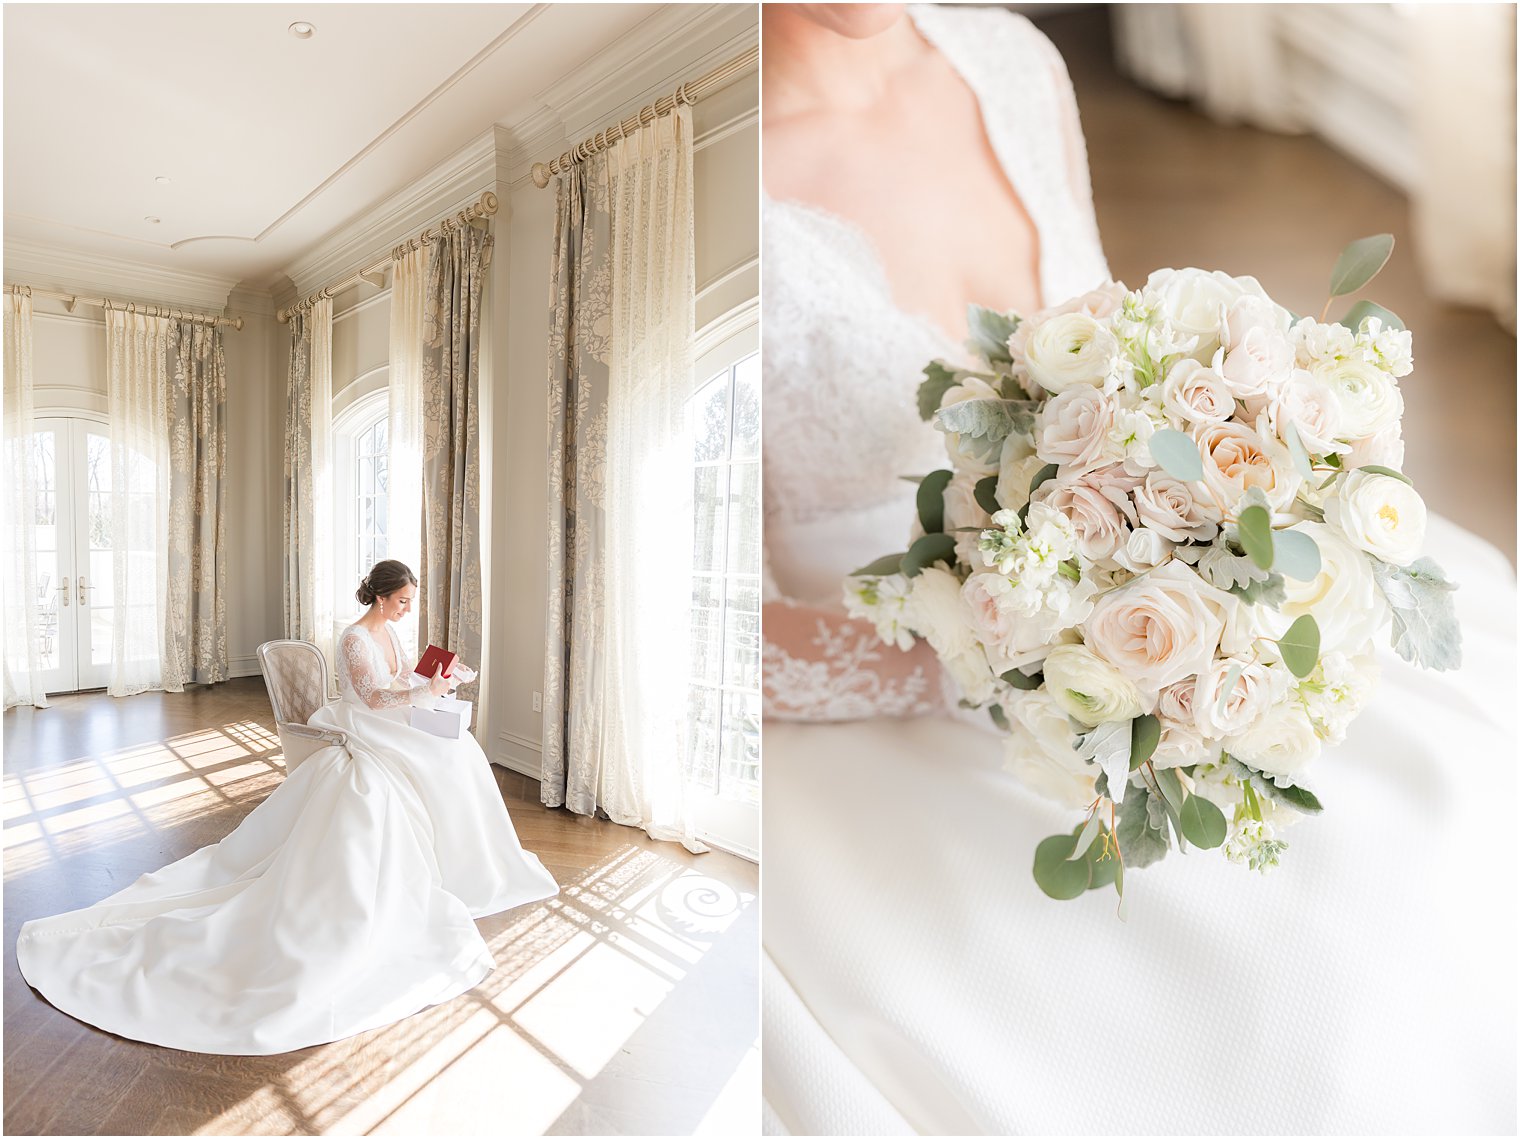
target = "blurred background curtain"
x: 23, y: 663
x: 403, y: 523
x: 137, y: 396
x: 620, y: 378
x: 451, y: 607
x: 195, y: 636
x: 308, y: 481
x: 1421, y: 94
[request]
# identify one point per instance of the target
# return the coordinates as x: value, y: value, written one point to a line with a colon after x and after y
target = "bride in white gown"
x: 916, y: 978
x: 343, y: 902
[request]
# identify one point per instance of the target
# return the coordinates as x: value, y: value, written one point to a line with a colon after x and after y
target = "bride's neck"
x: 809, y: 67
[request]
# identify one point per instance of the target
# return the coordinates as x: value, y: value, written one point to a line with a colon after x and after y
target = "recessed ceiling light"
x: 151, y: 220
x: 302, y: 30
x: 162, y: 180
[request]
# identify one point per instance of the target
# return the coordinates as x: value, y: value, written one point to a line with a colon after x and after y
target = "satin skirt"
x: 343, y: 902
x: 918, y: 981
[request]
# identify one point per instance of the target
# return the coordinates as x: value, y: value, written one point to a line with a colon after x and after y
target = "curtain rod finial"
x: 540, y: 175
x: 237, y: 323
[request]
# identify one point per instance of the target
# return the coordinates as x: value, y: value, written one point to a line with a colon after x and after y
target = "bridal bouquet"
x: 1172, y: 527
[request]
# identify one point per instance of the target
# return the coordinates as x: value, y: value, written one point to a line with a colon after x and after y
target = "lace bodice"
x: 365, y: 676
x: 834, y: 496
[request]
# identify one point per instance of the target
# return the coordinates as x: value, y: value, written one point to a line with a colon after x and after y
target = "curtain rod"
x: 71, y: 299
x: 375, y: 274
x: 685, y: 93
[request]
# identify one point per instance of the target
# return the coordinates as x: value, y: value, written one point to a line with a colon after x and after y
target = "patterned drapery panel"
x: 195, y: 634
x: 308, y: 499
x: 451, y: 607
x: 580, y: 330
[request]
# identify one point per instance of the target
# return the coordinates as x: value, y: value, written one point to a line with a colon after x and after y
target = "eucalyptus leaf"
x: 1254, y: 527
x: 1123, y: 899
x: 1425, y: 629
x: 1177, y: 454
x: 1300, y: 646
x: 1145, y: 734
x: 1374, y: 469
x: 999, y: 717
x: 1301, y: 797
x: 931, y: 501
x: 990, y: 331
x: 1228, y: 686
x: 1104, y: 870
x: 1362, y: 310
x: 926, y: 551
x: 881, y: 567
x: 1023, y: 681
x: 1359, y: 262
x: 1295, y: 555
x: 1171, y: 788
x: 1085, y: 839
x: 1203, y: 823
x: 1299, y: 453
x: 1141, y: 842
x: 986, y: 494
x: 938, y: 380
x: 1054, y: 873
x: 1042, y: 476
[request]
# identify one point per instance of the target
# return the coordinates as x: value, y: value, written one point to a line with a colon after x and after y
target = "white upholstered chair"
x: 295, y: 673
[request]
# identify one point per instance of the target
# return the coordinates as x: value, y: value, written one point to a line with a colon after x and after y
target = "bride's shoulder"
x: 985, y: 32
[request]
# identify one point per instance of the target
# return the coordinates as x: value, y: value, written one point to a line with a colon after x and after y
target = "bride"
x: 916, y: 978
x: 345, y: 901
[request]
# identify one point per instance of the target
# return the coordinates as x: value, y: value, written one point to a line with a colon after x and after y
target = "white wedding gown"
x: 916, y: 979
x: 343, y: 902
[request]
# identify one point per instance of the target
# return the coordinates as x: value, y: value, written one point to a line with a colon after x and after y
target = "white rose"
x: 1307, y: 404
x: 1283, y: 742
x: 1369, y: 398
x: 1069, y: 350
x: 961, y: 458
x: 1089, y: 689
x: 1380, y: 514
x: 1197, y: 303
x: 1385, y: 449
x: 1255, y: 311
x: 1161, y: 627
x: 936, y: 613
x: 1193, y: 393
x: 1181, y: 742
x: 1256, y: 366
x: 1073, y: 427
x: 1343, y: 597
x: 1168, y: 506
x: 1043, y: 754
x: 1236, y: 458
x: 1142, y: 550
x: 1098, y: 506
x: 1015, y: 475
x: 1256, y: 688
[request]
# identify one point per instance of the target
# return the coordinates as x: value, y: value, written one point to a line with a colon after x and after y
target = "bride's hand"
x: 440, y: 685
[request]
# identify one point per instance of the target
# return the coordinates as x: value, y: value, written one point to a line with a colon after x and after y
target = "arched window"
x: 361, y: 484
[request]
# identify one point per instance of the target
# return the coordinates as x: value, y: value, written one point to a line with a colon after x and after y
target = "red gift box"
x: 432, y: 659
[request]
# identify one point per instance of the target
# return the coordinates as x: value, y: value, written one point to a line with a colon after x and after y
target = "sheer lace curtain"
x: 23, y: 663
x: 621, y: 506
x: 308, y: 481
x: 404, y: 509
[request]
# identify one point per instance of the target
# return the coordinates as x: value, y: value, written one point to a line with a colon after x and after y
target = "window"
x: 370, y: 482
x: 724, y: 698
x: 361, y: 485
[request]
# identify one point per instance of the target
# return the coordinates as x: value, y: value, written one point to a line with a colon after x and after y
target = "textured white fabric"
x: 18, y: 585
x: 137, y: 395
x: 642, y: 779
x: 319, y: 548
x: 1366, y: 986
x: 403, y: 529
x: 826, y: 303
x: 342, y: 903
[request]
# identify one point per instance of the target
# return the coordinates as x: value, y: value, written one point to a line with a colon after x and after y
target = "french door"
x: 71, y: 461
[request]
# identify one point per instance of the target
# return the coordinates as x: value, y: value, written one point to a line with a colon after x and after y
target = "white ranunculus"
x: 1089, y: 689
x: 1073, y: 427
x: 1161, y: 627
x: 1380, y: 514
x: 1343, y: 597
x: 1385, y: 449
x: 1043, y: 754
x: 1169, y: 507
x: 1256, y: 366
x: 1236, y: 458
x: 962, y: 458
x: 1307, y: 404
x: 1283, y: 742
x: 1069, y: 350
x: 1197, y: 303
x: 1195, y: 394
x: 1369, y: 398
x: 1256, y: 688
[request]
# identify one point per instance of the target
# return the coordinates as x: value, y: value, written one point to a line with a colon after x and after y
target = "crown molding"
x: 46, y: 265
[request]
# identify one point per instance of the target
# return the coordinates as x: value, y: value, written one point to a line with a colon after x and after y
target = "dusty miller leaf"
x: 990, y: 331
x: 1140, y: 841
x: 938, y: 380
x: 1425, y: 629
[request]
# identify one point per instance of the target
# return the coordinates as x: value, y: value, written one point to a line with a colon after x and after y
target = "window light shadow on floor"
x: 600, y: 1016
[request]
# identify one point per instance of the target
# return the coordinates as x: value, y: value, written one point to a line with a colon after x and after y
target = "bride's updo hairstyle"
x: 383, y: 580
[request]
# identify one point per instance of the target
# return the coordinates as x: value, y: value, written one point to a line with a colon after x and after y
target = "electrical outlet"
x: 538, y: 701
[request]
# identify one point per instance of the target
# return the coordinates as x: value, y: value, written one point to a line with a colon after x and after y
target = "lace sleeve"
x: 357, y: 663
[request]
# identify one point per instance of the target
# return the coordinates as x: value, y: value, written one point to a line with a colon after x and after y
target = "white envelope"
x: 450, y: 718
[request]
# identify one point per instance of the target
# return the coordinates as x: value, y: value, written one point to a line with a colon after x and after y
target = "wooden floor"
x: 626, y: 1005
x: 1174, y: 188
